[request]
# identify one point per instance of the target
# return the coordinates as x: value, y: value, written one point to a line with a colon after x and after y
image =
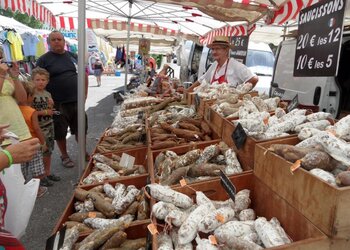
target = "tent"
x: 9, y: 22
x: 187, y: 16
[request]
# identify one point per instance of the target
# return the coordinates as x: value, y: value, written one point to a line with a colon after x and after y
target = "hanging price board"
x: 240, y: 49
x: 320, y: 31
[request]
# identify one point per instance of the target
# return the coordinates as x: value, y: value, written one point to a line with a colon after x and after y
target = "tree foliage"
x: 22, y: 18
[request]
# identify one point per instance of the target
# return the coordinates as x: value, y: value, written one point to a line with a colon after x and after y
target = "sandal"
x: 41, y: 191
x: 67, y: 162
x: 53, y: 177
x: 44, y: 182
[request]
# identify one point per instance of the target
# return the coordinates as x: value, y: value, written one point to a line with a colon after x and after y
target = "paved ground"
x: 50, y: 207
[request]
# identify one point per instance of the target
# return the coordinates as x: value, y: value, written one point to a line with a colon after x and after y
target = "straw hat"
x: 221, y: 41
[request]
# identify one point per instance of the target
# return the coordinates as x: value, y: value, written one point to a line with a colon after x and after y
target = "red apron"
x: 222, y: 78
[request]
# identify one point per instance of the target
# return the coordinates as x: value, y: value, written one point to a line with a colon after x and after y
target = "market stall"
x: 217, y: 168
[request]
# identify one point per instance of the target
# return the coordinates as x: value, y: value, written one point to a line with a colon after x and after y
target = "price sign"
x: 227, y: 185
x: 55, y: 242
x: 239, y: 51
x: 140, y: 115
x: 294, y: 103
x: 239, y: 136
x: 320, y: 31
x: 277, y: 92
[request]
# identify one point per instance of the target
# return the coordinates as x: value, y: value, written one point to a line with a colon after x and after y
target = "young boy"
x: 43, y: 104
x: 35, y: 167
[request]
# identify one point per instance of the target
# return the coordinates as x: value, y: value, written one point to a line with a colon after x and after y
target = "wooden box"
x: 138, y: 181
x: 180, y: 151
x: 214, y: 136
x: 246, y: 153
x: 324, y: 205
x: 140, y: 155
x: 203, y: 103
x: 214, y: 119
x: 266, y: 203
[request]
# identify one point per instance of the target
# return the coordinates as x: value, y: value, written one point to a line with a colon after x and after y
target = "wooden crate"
x: 180, y: 151
x: 203, y: 103
x: 266, y: 203
x: 138, y: 181
x: 324, y: 205
x: 214, y: 136
x: 140, y: 155
x: 214, y: 119
x: 246, y: 153
x: 134, y: 231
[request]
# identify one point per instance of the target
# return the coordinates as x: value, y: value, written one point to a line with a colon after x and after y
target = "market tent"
x: 9, y: 22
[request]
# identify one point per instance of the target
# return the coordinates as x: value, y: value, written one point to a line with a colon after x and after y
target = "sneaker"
x: 45, y: 182
x: 41, y: 191
x: 53, y: 177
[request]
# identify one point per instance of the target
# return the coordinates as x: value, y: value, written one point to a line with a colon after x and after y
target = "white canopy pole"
x: 127, y: 47
x: 81, y: 87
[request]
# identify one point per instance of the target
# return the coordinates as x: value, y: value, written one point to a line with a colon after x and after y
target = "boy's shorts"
x: 49, y: 134
x: 35, y: 167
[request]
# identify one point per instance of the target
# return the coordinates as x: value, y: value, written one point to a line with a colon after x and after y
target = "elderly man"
x: 63, y: 86
x: 225, y: 69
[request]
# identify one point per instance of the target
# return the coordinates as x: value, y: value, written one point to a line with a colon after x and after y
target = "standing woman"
x: 12, y: 93
x: 98, y: 69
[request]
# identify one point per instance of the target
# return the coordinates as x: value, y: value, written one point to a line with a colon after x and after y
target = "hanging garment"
x: 16, y: 45
x: 29, y: 44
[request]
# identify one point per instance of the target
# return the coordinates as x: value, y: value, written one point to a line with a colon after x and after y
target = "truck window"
x: 260, y: 58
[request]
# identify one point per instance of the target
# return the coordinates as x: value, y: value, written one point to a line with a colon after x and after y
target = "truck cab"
x: 328, y: 94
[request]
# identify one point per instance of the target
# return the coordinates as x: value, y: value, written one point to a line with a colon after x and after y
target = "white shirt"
x: 237, y: 73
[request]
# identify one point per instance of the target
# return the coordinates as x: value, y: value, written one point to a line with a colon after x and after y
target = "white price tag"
x: 127, y: 161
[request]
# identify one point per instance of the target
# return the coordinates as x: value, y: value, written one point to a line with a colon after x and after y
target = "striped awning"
x: 289, y: 11
x: 239, y: 30
x: 32, y: 8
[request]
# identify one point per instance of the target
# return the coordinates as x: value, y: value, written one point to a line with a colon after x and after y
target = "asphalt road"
x: 49, y: 208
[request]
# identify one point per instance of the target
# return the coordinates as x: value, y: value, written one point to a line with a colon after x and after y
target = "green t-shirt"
x: 41, y: 102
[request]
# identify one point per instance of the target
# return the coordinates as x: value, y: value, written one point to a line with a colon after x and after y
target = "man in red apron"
x: 225, y: 69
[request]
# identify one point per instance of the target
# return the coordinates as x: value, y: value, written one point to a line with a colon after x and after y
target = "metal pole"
x: 81, y: 87
x: 127, y: 47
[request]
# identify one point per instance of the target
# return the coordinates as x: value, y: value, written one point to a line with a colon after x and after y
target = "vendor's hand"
x: 14, y: 70
x: 24, y: 151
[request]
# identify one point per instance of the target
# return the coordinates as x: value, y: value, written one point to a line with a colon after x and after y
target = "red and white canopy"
x: 31, y: 7
x: 289, y: 11
x: 238, y: 30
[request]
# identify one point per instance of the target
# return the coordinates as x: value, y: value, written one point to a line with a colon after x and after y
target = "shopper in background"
x: 98, y: 69
x: 43, y: 104
x: 35, y: 167
x: 225, y: 69
x: 12, y: 92
x: 63, y: 86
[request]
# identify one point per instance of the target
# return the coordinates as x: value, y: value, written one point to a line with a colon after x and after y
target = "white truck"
x: 329, y: 94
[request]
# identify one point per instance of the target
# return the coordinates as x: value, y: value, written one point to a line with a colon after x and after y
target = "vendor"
x: 225, y: 69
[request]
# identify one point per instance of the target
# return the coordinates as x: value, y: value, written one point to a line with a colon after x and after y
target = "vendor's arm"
x: 206, y: 76
x: 195, y: 84
x: 254, y: 80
